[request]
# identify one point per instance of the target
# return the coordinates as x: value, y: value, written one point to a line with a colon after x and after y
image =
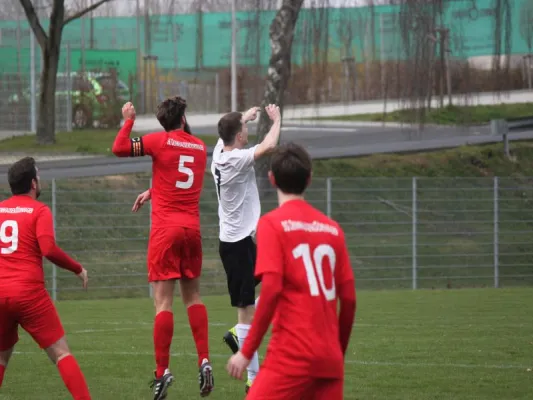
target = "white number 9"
x: 11, y: 239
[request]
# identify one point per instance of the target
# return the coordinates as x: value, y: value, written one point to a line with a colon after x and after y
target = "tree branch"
x: 34, y: 22
x: 81, y: 13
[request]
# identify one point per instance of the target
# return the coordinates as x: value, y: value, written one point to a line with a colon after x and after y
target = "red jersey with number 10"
x: 308, y: 250
x: 178, y: 169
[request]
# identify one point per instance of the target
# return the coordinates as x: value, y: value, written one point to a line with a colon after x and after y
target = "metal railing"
x: 402, y: 233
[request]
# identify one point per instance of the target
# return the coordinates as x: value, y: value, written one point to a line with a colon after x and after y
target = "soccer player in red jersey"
x: 305, y: 269
x: 26, y: 236
x: 175, y: 244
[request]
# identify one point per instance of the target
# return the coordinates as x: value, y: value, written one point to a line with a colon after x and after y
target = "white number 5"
x: 324, y: 250
x: 12, y: 239
x: 187, y: 171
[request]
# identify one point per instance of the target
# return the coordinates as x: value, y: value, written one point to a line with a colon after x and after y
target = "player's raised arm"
x: 345, y: 282
x: 49, y: 248
x: 124, y: 146
x: 271, y: 140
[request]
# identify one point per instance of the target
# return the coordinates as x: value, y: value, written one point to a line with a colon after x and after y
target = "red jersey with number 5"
x: 309, y: 251
x: 178, y: 169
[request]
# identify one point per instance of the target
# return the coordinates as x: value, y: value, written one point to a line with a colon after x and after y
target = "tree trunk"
x: 50, y: 45
x: 47, y: 100
x: 279, y: 71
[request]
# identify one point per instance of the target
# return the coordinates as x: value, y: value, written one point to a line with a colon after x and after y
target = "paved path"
x: 326, y: 142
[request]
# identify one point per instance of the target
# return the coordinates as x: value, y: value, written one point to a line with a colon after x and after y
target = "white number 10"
x: 187, y: 171
x: 316, y: 263
x: 13, y: 239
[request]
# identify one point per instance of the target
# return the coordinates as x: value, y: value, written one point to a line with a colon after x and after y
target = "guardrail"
x: 504, y: 127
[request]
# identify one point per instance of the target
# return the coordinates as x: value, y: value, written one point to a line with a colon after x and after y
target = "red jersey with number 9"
x: 178, y: 170
x: 309, y: 251
x: 22, y: 221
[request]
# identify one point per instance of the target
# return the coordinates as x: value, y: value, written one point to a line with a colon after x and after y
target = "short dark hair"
x: 170, y: 113
x: 21, y: 174
x: 228, y: 127
x: 291, y: 166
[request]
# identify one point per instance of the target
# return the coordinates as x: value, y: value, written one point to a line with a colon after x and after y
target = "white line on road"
x: 319, y: 129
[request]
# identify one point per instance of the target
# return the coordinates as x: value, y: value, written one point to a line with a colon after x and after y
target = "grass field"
x: 464, y: 344
x: 454, y: 115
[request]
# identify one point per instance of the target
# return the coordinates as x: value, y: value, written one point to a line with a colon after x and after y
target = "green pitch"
x: 456, y: 344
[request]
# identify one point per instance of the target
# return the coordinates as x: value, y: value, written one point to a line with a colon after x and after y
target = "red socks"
x: 163, y: 332
x: 199, y: 327
x: 2, y: 372
x: 73, y: 378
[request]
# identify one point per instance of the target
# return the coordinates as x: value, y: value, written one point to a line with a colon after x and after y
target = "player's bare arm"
x: 272, y: 138
x: 141, y: 199
x: 250, y: 115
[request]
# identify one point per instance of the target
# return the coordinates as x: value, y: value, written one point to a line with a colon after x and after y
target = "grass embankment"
x: 371, y: 197
x: 84, y: 141
x: 454, y: 115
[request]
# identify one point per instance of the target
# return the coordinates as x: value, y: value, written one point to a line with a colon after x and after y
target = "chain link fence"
x: 418, y: 233
x: 90, y: 88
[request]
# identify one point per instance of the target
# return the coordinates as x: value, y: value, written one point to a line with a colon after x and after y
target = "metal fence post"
x: 328, y: 197
x: 414, y: 233
x: 496, y: 234
x: 69, y: 90
x: 33, y: 84
x: 54, y: 213
x: 217, y: 93
x: 150, y: 290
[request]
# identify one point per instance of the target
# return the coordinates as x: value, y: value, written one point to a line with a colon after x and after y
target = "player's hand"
x: 273, y: 112
x: 84, y: 278
x: 236, y: 365
x: 128, y: 111
x: 141, y: 199
x: 251, y: 114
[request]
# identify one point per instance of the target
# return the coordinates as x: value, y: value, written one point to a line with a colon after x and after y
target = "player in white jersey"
x: 239, y: 209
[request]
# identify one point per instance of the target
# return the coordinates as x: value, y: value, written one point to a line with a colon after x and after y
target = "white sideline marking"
x: 321, y: 129
x: 355, y: 362
x: 356, y: 324
x: 133, y: 328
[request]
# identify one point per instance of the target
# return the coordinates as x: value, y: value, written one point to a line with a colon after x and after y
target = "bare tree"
x: 11, y: 10
x: 50, y: 44
x: 526, y: 30
x: 526, y: 24
x: 279, y: 70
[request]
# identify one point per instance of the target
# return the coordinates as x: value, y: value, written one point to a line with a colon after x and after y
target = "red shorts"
x: 174, y: 253
x: 35, y: 313
x: 271, y: 385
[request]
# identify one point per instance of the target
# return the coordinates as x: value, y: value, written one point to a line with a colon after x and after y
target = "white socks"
x: 256, y: 301
x: 253, y: 368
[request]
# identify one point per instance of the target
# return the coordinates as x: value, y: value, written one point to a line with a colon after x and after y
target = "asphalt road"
x: 324, y: 141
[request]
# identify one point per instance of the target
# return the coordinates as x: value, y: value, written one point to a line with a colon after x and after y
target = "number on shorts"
x: 316, y: 263
x: 11, y: 239
x: 187, y: 171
